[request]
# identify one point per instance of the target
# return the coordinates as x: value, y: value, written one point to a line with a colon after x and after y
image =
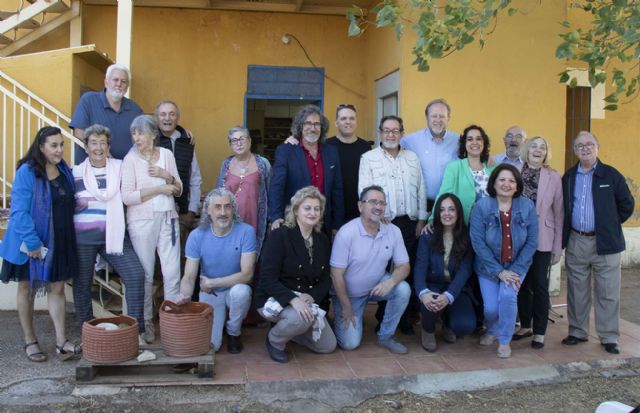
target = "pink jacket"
x: 135, y: 177
x: 550, y: 211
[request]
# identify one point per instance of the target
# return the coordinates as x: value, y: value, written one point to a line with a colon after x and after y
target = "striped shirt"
x: 582, y: 215
x: 90, y: 217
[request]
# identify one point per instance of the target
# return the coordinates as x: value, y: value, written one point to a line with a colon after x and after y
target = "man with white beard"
x: 310, y: 162
x: 398, y: 172
x: 109, y: 108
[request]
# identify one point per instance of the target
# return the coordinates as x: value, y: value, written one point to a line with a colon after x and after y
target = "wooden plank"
x: 149, y: 373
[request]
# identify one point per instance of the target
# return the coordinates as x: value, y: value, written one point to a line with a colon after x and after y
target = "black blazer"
x: 286, y: 268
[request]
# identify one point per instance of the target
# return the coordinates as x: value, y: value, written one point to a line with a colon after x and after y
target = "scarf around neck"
x: 113, y: 199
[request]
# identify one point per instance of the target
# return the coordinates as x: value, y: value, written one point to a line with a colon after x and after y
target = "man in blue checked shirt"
x: 597, y: 201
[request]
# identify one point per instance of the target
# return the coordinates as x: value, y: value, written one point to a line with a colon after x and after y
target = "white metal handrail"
x: 20, y: 109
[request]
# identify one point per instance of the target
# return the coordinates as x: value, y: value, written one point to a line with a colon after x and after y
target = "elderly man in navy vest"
x: 109, y: 108
x: 175, y: 138
x: 597, y: 201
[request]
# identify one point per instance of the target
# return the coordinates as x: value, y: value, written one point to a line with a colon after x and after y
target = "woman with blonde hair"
x: 295, y: 278
x: 543, y: 186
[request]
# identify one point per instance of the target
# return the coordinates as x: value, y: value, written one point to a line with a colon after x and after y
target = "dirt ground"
x: 577, y: 395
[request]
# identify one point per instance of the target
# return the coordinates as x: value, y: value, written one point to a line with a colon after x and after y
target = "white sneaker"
x: 487, y: 339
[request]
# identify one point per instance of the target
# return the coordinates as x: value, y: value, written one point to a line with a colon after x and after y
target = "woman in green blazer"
x: 468, y: 176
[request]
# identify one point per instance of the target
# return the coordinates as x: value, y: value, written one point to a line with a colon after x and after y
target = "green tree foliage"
x: 609, y: 46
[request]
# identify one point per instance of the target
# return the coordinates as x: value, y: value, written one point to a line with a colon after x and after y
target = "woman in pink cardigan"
x: 149, y: 182
x: 543, y: 186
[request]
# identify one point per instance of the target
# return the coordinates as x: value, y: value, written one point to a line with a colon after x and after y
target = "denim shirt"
x: 486, y: 237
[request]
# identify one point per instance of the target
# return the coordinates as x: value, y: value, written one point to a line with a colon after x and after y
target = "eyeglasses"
x: 312, y: 124
x: 394, y: 132
x: 588, y: 145
x: 346, y: 106
x: 375, y: 202
x: 237, y: 141
x: 512, y: 136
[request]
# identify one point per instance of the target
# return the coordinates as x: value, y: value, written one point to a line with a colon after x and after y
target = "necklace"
x: 147, y: 158
x: 243, y: 168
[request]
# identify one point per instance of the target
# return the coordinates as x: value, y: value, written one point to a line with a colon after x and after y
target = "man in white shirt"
x: 398, y: 172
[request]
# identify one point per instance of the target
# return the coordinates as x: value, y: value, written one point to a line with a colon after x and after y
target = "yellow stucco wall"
x: 511, y: 81
x: 199, y: 59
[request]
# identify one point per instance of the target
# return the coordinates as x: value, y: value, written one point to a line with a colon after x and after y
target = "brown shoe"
x: 429, y: 342
x: 448, y: 335
x: 234, y: 344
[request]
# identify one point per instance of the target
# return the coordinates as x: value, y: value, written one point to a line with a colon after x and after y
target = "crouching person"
x: 225, y: 250
x: 294, y: 279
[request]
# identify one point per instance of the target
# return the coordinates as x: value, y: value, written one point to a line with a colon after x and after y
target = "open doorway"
x: 269, y: 122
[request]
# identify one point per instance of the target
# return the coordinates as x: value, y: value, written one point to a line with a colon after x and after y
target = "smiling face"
x: 312, y: 128
x: 97, y: 150
x: 448, y: 213
x: 537, y: 153
x: 474, y: 144
x: 586, y: 149
x: 240, y: 143
x: 372, y: 207
x: 390, y: 134
x: 53, y: 149
x: 346, y: 122
x: 220, y: 211
x: 167, y: 116
x: 308, y: 213
x: 117, y: 84
x: 505, y: 184
x: 438, y: 119
x: 142, y: 141
x: 513, y: 138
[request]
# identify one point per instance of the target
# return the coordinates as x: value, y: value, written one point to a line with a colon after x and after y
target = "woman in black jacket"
x: 443, y: 267
x: 294, y: 278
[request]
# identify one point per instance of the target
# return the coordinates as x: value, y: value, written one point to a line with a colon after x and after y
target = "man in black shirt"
x: 350, y: 149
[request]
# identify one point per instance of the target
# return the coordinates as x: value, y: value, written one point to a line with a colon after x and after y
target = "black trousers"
x: 459, y: 316
x: 533, y: 298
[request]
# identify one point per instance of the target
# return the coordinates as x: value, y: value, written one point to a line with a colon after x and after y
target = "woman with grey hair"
x: 150, y: 180
x: 247, y: 176
x: 100, y: 227
x: 295, y: 278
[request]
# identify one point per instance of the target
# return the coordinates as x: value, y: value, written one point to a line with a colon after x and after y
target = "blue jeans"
x: 500, y: 308
x: 238, y: 300
x: 349, y: 337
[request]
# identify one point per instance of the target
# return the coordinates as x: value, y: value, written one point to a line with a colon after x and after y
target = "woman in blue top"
x: 504, y: 235
x: 38, y: 249
x: 443, y: 267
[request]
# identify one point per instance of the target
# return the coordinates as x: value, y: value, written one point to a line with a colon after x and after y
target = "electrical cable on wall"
x: 285, y: 40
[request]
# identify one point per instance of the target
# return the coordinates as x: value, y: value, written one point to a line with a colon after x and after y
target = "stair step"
x: 27, y: 24
x: 4, y: 39
x: 59, y: 7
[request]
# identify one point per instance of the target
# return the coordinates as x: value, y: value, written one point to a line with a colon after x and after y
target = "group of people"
x: 424, y: 224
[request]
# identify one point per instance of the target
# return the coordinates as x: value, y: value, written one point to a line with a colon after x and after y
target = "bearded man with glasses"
x: 310, y: 162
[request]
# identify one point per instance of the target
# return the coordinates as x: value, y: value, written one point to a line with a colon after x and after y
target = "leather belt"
x: 584, y: 234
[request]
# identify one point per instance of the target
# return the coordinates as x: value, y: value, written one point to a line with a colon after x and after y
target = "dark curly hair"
x: 462, y: 148
x: 301, y: 116
x: 34, y: 155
